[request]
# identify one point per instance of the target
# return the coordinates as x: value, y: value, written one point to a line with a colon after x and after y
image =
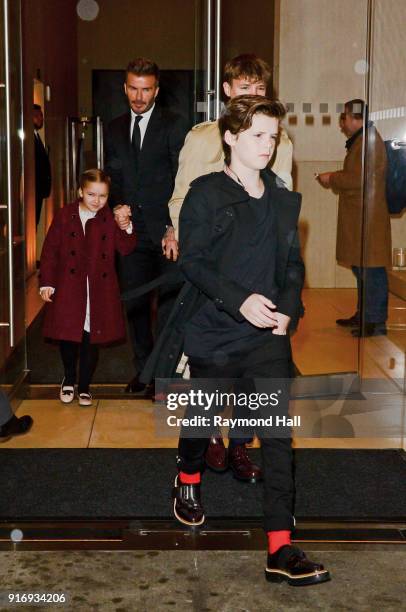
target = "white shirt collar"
x: 146, y: 115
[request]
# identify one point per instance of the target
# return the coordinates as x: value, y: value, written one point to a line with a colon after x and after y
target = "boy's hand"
x: 283, y: 322
x: 169, y: 244
x: 257, y: 309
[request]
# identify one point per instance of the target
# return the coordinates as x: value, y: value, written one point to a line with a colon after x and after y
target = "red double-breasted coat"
x: 68, y: 257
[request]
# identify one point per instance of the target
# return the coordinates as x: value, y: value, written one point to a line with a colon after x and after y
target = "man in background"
x: 363, y: 226
x: 43, y: 180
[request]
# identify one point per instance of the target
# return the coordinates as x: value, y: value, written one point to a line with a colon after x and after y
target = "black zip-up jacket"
x: 212, y: 230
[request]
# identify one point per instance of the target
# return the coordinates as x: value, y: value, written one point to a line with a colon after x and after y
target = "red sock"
x: 189, y: 478
x: 276, y: 539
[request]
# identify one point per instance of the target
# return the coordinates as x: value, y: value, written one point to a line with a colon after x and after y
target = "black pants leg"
x: 89, y: 355
x: 143, y: 265
x: 271, y: 362
x: 276, y: 452
x: 88, y: 361
x: 69, y: 354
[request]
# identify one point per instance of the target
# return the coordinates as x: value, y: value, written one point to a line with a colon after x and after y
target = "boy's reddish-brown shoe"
x: 242, y: 466
x: 216, y: 455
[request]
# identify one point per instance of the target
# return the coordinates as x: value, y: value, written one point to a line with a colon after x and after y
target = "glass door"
x: 208, y: 16
x: 12, y: 243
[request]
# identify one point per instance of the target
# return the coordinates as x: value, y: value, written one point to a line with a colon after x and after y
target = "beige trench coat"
x: 354, y: 229
x: 202, y: 153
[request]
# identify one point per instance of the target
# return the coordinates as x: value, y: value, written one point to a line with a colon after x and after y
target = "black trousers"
x: 5, y: 408
x: 143, y: 265
x: 272, y: 361
x: 88, y: 355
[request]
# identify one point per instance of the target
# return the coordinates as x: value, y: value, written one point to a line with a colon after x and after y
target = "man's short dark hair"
x: 37, y: 107
x: 358, y: 108
x: 247, y: 65
x: 238, y: 113
x: 141, y: 66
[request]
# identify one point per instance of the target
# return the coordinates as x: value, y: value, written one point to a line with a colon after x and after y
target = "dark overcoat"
x: 68, y: 257
x: 212, y: 230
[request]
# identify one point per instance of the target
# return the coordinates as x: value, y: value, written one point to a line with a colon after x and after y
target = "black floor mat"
x: 115, y: 483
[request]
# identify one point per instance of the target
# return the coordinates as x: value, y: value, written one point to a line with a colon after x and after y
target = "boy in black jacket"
x: 241, y: 257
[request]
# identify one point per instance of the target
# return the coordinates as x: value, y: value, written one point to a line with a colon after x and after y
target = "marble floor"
x: 203, y: 581
x: 319, y: 346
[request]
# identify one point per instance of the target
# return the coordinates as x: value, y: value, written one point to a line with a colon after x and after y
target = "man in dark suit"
x: 42, y: 166
x: 142, y: 149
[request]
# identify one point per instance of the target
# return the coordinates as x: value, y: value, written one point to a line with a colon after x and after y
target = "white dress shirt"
x: 143, y: 124
x: 85, y: 215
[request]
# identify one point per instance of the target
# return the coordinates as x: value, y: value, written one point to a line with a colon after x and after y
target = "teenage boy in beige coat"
x: 202, y: 152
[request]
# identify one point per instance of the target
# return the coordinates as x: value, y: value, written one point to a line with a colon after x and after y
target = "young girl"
x: 241, y: 257
x: 79, y: 282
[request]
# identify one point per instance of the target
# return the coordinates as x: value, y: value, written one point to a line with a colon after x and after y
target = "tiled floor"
x: 319, y: 346
x: 134, y: 424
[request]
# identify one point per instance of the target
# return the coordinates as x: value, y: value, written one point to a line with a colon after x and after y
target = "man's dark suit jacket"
x: 42, y: 175
x: 149, y: 183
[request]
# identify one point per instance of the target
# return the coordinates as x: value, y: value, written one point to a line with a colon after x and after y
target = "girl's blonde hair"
x: 94, y: 175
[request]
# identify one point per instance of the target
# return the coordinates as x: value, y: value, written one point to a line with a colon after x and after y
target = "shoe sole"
x: 183, y: 521
x: 249, y: 480
x: 347, y: 324
x: 377, y: 333
x: 278, y: 576
x: 19, y: 433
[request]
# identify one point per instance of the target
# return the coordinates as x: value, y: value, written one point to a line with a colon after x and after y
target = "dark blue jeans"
x: 372, y: 285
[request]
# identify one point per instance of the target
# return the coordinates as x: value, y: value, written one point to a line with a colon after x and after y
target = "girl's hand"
x: 46, y: 293
x: 257, y: 309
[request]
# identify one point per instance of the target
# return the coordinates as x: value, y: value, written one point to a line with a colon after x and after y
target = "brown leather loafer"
x: 290, y: 564
x: 242, y: 466
x: 216, y: 455
x: 187, y: 506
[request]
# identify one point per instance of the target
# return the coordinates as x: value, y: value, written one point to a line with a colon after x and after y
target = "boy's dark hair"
x: 247, y: 65
x: 238, y: 113
x: 357, y: 108
x: 94, y: 175
x: 141, y: 66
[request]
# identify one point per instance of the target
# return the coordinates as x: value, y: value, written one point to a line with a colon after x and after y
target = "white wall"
x: 319, y: 46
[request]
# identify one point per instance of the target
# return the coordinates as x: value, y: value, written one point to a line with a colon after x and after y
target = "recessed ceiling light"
x: 87, y: 9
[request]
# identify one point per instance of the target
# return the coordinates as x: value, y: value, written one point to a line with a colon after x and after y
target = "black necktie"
x: 39, y: 140
x: 136, y: 135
